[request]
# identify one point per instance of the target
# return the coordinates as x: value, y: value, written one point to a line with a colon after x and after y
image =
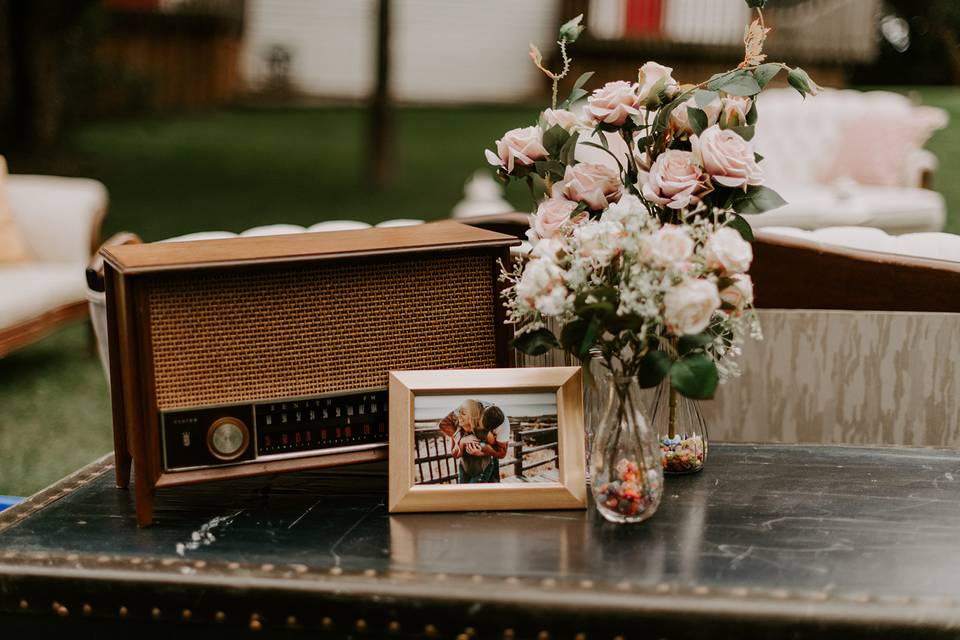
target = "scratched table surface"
x: 768, y: 541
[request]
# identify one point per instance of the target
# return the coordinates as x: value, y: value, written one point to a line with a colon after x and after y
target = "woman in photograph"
x: 481, y: 434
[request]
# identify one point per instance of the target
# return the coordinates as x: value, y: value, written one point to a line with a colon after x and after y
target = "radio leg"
x: 144, y: 504
x: 122, y: 462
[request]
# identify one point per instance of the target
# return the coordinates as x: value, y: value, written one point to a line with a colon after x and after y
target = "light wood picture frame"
x: 411, y: 490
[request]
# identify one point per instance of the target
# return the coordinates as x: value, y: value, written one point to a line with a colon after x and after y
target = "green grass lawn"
x: 239, y: 168
x: 244, y: 167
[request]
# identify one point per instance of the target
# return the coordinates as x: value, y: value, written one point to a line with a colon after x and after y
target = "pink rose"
x: 551, y: 216
x: 671, y: 245
x: 727, y: 157
x: 522, y: 146
x: 727, y: 251
x: 674, y: 180
x: 566, y: 119
x: 680, y: 120
x: 739, y: 293
x: 652, y: 79
x: 614, y: 102
x: 594, y: 184
x: 735, y: 110
x: 689, y: 306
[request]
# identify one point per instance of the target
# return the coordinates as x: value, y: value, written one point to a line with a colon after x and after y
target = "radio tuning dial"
x: 228, y: 438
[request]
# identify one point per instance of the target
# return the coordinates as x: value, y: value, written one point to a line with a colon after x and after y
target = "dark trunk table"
x: 769, y: 541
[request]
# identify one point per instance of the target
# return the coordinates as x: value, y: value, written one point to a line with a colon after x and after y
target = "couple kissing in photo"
x: 481, y: 434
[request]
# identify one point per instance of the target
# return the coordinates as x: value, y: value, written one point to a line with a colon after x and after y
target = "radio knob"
x: 228, y: 438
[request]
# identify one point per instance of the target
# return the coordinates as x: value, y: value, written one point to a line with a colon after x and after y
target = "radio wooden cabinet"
x: 251, y: 356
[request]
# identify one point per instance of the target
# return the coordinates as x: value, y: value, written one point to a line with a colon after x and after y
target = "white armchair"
x: 59, y: 220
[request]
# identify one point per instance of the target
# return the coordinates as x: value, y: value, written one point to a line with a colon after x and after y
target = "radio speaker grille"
x: 254, y: 334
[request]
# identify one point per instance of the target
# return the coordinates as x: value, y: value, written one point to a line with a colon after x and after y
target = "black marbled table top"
x: 768, y: 541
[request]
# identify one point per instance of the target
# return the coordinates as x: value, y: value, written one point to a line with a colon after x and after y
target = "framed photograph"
x: 486, y: 439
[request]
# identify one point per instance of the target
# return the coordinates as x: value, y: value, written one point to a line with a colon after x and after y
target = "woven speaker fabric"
x: 245, y: 334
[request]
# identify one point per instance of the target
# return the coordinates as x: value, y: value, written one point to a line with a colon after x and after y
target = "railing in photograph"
x: 436, y: 465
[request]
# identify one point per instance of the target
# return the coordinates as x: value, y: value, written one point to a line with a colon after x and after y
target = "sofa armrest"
x: 59, y: 218
x: 919, y: 168
x: 95, y: 266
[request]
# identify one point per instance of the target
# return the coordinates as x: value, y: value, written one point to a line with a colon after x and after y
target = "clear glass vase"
x: 681, y: 430
x: 625, y: 470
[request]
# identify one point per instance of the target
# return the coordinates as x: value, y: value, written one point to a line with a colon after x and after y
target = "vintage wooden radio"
x: 249, y: 356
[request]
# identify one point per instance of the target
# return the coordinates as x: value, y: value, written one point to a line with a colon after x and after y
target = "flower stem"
x: 672, y: 422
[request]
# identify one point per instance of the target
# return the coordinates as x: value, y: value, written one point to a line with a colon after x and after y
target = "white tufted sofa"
x: 59, y: 220
x: 845, y: 158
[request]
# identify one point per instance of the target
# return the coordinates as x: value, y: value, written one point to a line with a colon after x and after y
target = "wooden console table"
x: 769, y: 541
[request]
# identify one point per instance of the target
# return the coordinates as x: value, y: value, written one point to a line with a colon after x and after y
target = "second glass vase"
x: 625, y: 468
x: 681, y: 430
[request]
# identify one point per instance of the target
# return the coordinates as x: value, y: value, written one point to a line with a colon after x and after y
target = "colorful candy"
x: 682, y: 454
x: 630, y: 491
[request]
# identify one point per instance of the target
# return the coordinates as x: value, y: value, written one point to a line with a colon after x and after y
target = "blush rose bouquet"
x: 641, y: 247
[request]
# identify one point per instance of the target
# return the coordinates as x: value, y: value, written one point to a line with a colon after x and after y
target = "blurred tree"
x: 939, y: 18
x: 380, y: 133
x: 920, y: 44
x: 35, y: 41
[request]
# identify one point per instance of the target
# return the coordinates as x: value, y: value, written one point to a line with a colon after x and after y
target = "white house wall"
x: 443, y: 50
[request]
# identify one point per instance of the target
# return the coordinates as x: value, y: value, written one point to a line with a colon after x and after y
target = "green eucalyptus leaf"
x: 539, y: 186
x: 752, y: 114
x: 554, y: 168
x: 741, y: 83
x: 582, y: 80
x: 654, y: 367
x: 703, y: 97
x: 694, y: 342
x: 756, y: 4
x: 594, y: 329
x: 572, y: 334
x: 744, y: 132
x: 627, y: 322
x: 757, y: 200
x: 697, y: 119
x: 740, y: 224
x: 535, y: 343
x: 766, y: 72
x: 569, y: 149
x: 554, y: 139
x: 694, y: 376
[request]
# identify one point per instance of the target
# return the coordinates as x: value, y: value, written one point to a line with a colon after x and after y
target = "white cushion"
x: 338, y: 225
x: 56, y: 215
x: 274, y: 230
x: 399, y: 222
x: 30, y: 290
x: 201, y: 235
x: 894, y: 209
x: 938, y: 246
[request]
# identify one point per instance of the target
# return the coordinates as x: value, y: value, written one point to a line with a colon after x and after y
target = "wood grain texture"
x: 796, y: 273
x: 569, y: 493
x: 431, y: 237
x: 865, y: 377
x: 29, y: 331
